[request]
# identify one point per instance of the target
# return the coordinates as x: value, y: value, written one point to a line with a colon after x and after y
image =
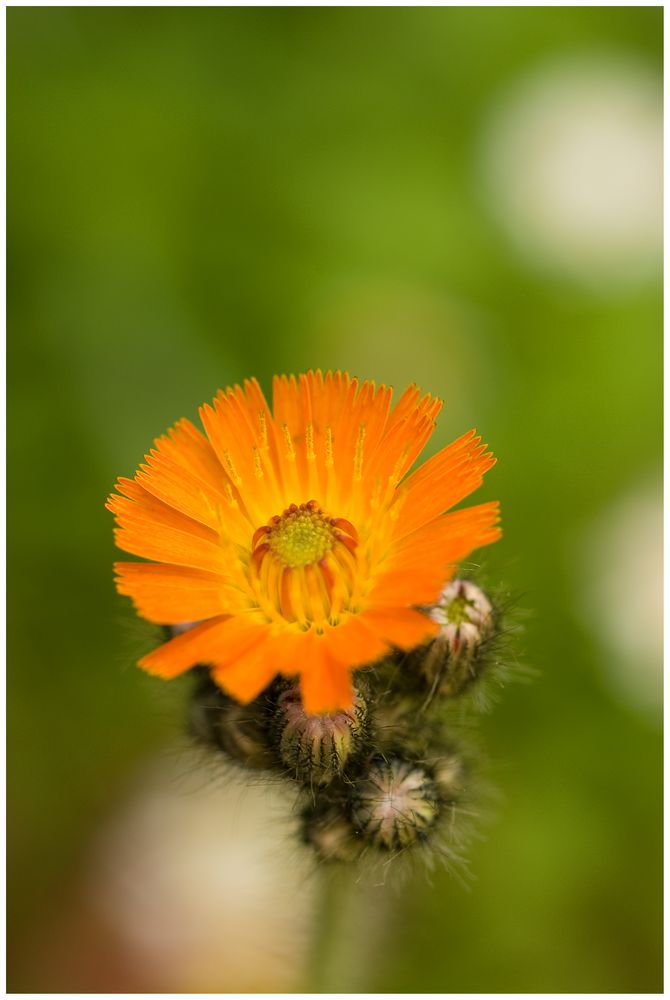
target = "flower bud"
x: 395, y: 804
x: 331, y: 834
x: 465, y: 614
x: 466, y: 618
x: 240, y: 731
x: 317, y: 747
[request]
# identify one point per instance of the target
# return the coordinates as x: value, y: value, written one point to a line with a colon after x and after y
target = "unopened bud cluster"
x: 391, y: 775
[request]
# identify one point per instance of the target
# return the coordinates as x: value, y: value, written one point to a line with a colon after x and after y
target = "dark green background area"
x: 200, y: 195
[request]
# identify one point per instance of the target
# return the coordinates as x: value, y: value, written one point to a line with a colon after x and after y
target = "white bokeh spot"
x: 572, y: 163
x: 620, y: 598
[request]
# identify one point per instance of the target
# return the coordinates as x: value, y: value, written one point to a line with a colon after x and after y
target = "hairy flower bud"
x: 329, y: 832
x: 465, y: 615
x: 395, y: 804
x: 241, y: 731
x: 317, y: 747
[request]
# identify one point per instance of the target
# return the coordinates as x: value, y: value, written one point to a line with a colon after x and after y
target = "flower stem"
x: 350, y: 925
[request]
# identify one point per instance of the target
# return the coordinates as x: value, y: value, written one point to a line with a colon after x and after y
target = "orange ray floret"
x: 295, y: 534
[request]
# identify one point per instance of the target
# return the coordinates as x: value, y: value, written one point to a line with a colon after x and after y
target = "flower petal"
x: 244, y: 676
x: 421, y: 563
x: 356, y: 641
x: 170, y: 595
x: 142, y: 537
x: 209, y: 642
x: 137, y: 502
x: 325, y: 682
x: 401, y: 627
x: 442, y: 482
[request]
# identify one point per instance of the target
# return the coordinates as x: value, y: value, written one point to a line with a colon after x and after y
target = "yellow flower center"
x: 302, y: 535
x: 304, y: 564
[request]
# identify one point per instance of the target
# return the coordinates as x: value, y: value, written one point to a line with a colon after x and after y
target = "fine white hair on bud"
x: 394, y: 804
x: 317, y: 748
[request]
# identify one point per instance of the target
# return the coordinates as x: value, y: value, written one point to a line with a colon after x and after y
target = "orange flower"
x: 294, y: 536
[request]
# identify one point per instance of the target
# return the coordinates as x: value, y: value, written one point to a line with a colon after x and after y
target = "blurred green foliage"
x: 197, y: 195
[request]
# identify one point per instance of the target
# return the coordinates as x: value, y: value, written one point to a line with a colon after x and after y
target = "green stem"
x: 350, y: 925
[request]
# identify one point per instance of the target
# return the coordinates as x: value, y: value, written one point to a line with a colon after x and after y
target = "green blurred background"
x: 465, y: 197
